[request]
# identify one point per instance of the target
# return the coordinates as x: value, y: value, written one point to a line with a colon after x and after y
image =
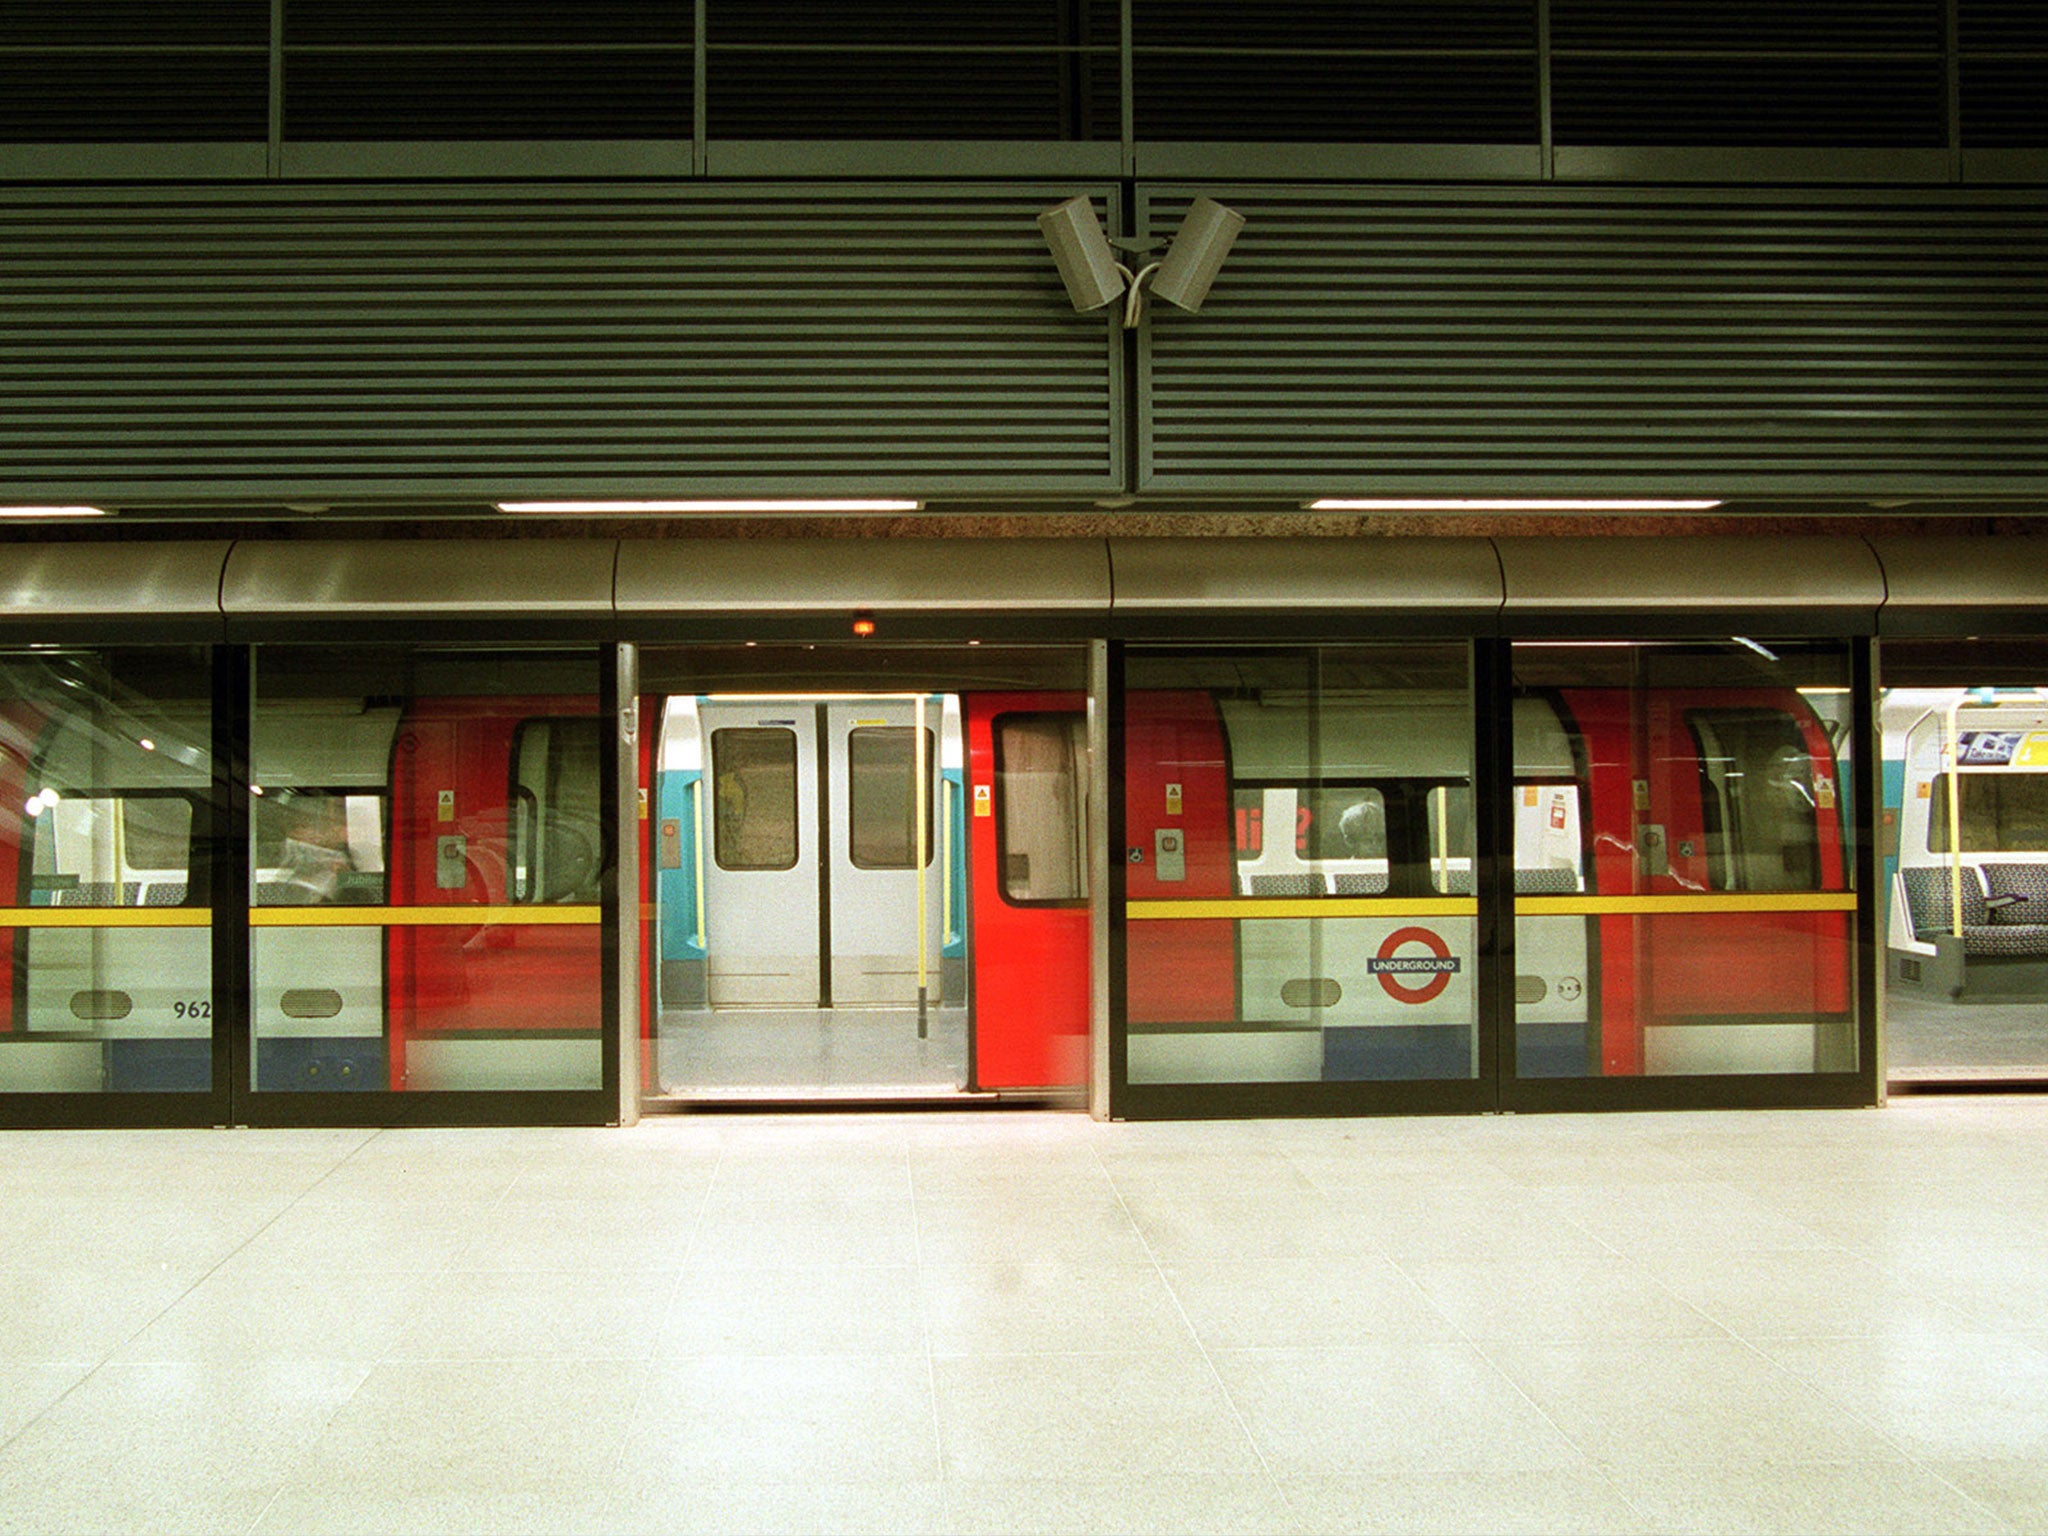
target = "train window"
x: 316, y: 847
x: 1998, y: 813
x: 881, y: 763
x: 129, y: 850
x: 557, y: 851
x: 1760, y: 801
x: 1548, y: 846
x: 753, y: 771
x: 1447, y: 822
x: 1041, y: 779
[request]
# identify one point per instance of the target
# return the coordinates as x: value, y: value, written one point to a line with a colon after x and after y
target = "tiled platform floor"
x: 989, y: 1321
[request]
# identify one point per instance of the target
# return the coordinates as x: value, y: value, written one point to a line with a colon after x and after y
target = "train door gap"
x: 820, y: 868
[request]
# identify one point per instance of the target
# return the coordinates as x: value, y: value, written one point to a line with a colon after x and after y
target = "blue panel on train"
x: 320, y: 1066
x: 1382, y: 1052
x: 159, y: 1066
x: 1550, y: 1050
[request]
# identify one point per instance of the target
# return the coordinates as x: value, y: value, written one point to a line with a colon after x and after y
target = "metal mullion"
x: 1952, y: 85
x: 274, y: 150
x: 1864, y: 681
x: 1493, y: 861
x: 700, y: 72
x: 228, y: 880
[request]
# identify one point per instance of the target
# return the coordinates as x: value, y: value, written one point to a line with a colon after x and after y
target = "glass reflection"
x: 106, y: 966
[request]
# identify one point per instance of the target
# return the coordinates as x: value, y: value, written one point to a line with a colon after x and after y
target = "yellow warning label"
x: 1923, y: 790
x: 1173, y: 799
x: 643, y: 803
x: 445, y: 809
x: 1642, y: 794
x: 1529, y: 793
x: 1824, y: 793
x: 984, y: 805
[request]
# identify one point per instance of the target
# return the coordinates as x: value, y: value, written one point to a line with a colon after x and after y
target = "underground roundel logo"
x: 1434, y: 969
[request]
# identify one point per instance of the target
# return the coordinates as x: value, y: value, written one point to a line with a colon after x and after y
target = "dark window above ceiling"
x: 1819, y: 74
x: 134, y: 71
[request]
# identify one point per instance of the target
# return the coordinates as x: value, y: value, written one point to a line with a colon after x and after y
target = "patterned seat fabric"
x: 1927, y: 896
x: 1548, y: 881
x: 1356, y: 884
x: 1287, y: 885
x: 2029, y: 882
x: 2006, y: 939
x: 88, y: 893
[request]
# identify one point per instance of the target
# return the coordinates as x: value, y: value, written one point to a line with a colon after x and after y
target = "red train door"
x: 1027, y: 768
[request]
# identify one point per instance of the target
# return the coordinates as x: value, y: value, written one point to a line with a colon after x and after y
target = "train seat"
x: 2017, y: 926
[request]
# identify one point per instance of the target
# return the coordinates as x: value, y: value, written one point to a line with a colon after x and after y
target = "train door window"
x: 883, y: 796
x: 1294, y: 821
x: 1041, y: 774
x: 556, y: 850
x: 1759, y: 800
x: 105, y: 784
x: 1672, y: 775
x: 754, y: 812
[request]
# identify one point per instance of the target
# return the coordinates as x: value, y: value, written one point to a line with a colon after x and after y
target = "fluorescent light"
x: 1441, y: 504
x: 53, y: 511
x: 712, y: 508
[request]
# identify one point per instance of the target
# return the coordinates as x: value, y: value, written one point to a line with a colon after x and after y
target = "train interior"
x: 1964, y: 836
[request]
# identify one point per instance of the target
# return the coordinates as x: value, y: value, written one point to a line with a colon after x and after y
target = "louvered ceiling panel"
x: 1575, y: 342
x: 510, y: 342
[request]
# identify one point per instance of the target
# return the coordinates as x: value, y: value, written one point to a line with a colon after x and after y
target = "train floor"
x: 991, y: 1320
x: 803, y: 1052
x: 1930, y: 1039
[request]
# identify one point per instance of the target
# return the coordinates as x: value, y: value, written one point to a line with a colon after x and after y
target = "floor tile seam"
x: 1237, y: 1412
x: 1585, y: 1455
x: 1827, y: 1400
x: 108, y: 1356
x: 614, y: 1481
x: 1932, y: 1468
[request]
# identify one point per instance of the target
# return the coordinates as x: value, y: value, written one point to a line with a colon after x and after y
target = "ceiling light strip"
x: 709, y: 508
x: 1503, y: 504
